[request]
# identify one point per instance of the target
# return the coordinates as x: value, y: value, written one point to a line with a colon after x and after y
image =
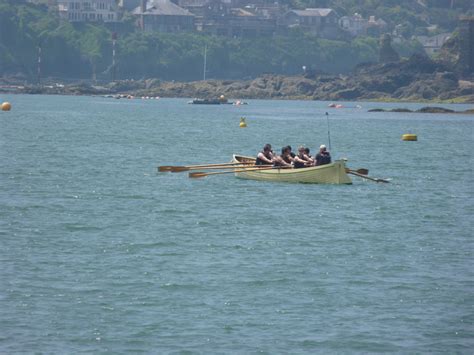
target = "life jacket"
x: 299, y: 165
x: 260, y: 161
x: 323, y: 159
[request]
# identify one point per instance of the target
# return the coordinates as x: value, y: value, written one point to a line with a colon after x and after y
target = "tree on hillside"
x: 387, y: 53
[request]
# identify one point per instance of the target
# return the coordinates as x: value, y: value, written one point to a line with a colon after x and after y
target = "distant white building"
x: 356, y: 25
x: 88, y: 10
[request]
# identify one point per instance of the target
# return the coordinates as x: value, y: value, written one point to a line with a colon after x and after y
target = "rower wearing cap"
x: 323, y: 157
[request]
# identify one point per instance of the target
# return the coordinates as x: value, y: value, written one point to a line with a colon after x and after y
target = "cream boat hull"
x: 334, y: 173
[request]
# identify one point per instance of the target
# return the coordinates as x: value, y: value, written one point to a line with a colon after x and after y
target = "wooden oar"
x: 359, y: 171
x: 201, y: 174
x: 367, y: 177
x: 164, y: 168
x: 179, y: 169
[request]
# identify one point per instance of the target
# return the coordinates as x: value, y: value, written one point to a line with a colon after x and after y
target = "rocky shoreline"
x: 429, y: 109
x: 414, y: 79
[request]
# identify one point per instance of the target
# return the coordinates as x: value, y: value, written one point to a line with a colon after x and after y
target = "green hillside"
x: 83, y: 51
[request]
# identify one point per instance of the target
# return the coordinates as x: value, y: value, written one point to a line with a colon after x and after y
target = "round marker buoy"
x: 242, y: 123
x: 6, y: 106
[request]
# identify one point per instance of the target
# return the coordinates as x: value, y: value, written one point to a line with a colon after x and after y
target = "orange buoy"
x: 6, y: 106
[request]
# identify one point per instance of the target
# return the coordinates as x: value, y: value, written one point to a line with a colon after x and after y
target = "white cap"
x: 322, y: 146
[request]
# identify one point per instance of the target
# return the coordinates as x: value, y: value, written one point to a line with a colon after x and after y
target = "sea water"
x: 101, y: 253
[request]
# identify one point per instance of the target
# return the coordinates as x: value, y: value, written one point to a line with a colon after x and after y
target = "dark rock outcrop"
x: 434, y: 110
x: 428, y: 109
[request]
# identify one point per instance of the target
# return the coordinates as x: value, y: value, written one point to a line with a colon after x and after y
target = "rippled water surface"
x: 100, y: 253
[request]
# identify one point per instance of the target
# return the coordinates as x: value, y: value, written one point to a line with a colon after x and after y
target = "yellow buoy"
x: 6, y: 106
x: 242, y: 124
x: 409, y: 137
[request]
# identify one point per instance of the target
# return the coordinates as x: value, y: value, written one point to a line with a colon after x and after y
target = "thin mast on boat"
x: 329, y: 134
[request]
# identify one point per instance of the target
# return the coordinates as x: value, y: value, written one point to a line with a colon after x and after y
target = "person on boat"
x: 265, y: 157
x: 293, y: 155
x: 308, y: 155
x: 323, y: 157
x: 301, y: 160
x: 284, y: 159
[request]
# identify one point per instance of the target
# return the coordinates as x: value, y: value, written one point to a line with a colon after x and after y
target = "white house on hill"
x: 88, y: 10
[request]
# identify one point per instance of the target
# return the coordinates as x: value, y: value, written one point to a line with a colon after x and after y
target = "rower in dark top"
x: 284, y: 159
x: 265, y: 157
x: 323, y: 157
x: 301, y: 160
x: 293, y: 155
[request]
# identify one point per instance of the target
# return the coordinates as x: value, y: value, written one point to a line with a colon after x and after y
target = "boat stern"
x: 342, y: 176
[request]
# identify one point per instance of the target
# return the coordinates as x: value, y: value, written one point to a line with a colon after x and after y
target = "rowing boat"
x: 334, y: 173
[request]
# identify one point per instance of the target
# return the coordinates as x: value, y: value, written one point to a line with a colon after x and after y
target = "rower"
x: 284, y: 159
x: 265, y: 157
x: 323, y: 157
x: 291, y: 153
x: 301, y: 160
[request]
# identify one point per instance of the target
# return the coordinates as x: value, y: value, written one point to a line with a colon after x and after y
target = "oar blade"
x: 165, y: 168
x: 197, y: 175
